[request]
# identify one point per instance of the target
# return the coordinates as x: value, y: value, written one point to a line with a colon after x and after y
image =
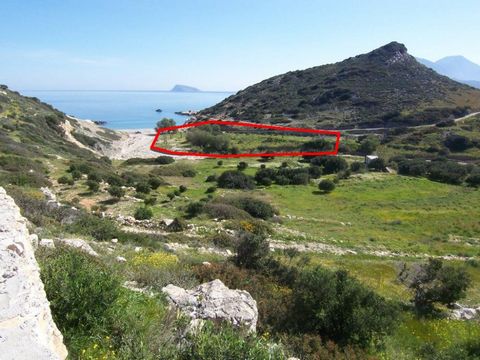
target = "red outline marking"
x: 247, y: 124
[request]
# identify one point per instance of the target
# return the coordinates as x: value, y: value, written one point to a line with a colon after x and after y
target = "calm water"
x: 127, y: 109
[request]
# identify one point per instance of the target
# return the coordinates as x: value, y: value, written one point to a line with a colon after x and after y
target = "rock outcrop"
x: 214, y: 301
x: 27, y: 330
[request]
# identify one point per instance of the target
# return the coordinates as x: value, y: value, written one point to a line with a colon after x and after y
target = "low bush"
x: 235, y: 180
x: 143, y: 213
x: 256, y: 207
x: 164, y: 160
x: 326, y: 185
x: 225, y: 211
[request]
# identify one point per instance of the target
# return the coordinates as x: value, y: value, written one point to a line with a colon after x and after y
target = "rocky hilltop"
x: 385, y: 87
x: 27, y: 330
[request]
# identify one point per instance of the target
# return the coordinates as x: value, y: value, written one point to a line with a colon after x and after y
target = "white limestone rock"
x: 214, y: 301
x: 27, y: 330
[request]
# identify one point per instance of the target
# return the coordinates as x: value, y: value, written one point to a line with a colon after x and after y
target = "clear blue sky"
x: 213, y: 44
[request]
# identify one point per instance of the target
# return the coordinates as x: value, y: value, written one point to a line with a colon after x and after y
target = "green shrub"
x: 194, y: 208
x: 65, y: 180
x: 225, y: 211
x: 330, y: 164
x: 116, y: 191
x: 254, y: 206
x: 182, y: 188
x: 252, y: 251
x: 211, y: 189
x: 211, y: 178
x: 242, y: 165
x: 219, y: 163
x: 80, y: 290
x: 357, y: 167
x: 235, y: 180
x: 93, y: 176
x: 99, y: 228
x: 189, y: 173
x: 326, y: 185
x: 447, y: 172
x: 143, y: 187
x: 93, y: 186
x: 143, y: 213
x: 225, y: 342
x: 150, y: 201
x: 76, y: 175
x: 154, y: 183
x: 164, y: 160
x: 377, y: 164
x: 337, y: 307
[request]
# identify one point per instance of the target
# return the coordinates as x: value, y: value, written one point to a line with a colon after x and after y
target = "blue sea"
x: 127, y: 109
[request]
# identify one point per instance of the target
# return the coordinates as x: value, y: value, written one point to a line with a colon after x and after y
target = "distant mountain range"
x: 456, y: 67
x: 386, y: 87
x: 184, y: 88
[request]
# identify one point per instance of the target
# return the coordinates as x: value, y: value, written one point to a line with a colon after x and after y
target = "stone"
x: 27, y: 329
x: 48, y: 243
x: 79, y: 244
x: 216, y: 302
x: 114, y: 241
x: 461, y: 312
x: 138, y: 248
x: 120, y: 259
x: 34, y: 240
x: 206, y: 263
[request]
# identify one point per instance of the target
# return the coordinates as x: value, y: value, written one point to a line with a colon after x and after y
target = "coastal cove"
x: 127, y: 109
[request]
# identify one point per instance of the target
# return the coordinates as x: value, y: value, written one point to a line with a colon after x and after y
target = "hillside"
x: 385, y: 87
x: 264, y: 226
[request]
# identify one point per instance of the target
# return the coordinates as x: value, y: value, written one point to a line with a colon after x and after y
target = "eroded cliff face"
x: 27, y: 330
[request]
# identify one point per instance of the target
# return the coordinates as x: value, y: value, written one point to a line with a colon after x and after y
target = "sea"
x: 127, y: 109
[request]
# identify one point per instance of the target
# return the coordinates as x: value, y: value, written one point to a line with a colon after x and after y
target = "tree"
x: 165, y: 122
x: 252, y: 251
x: 326, y: 185
x: 435, y: 282
x: 116, y: 191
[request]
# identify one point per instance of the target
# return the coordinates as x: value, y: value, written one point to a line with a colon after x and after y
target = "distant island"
x: 184, y: 88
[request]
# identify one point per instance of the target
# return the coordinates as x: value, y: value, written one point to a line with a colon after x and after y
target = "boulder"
x: 214, y: 301
x: 461, y: 312
x: 48, y: 243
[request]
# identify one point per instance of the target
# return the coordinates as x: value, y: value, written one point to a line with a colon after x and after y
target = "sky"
x: 213, y: 44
